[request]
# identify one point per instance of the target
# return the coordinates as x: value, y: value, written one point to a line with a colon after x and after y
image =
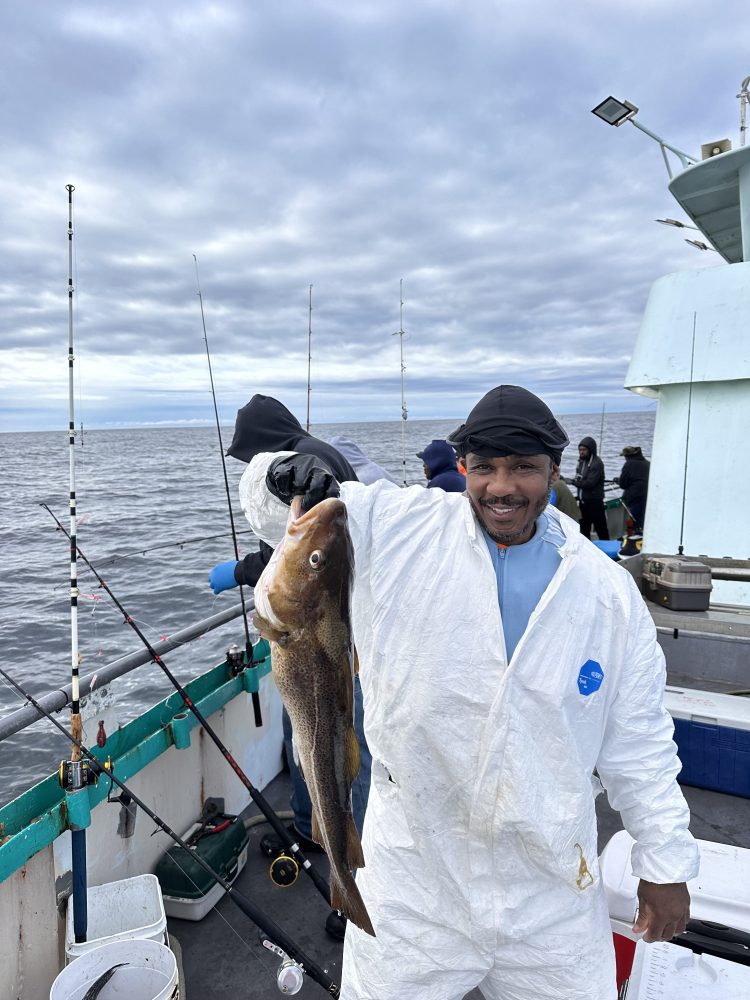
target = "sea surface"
x: 153, y: 520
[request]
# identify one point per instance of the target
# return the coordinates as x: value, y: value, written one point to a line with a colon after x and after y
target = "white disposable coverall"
x: 480, y: 834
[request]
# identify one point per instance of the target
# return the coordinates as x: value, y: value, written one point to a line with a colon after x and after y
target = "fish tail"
x: 346, y: 898
x: 354, y: 856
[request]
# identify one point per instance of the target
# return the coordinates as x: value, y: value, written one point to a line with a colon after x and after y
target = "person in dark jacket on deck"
x: 440, y: 468
x: 266, y: 425
x: 589, y: 480
x: 633, y: 480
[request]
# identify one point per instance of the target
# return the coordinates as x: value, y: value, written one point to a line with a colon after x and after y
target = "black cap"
x: 510, y: 420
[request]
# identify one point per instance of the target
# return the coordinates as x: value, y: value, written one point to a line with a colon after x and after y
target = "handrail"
x: 54, y: 701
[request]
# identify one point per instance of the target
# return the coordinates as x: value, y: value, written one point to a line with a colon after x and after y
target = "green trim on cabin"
x: 34, y: 819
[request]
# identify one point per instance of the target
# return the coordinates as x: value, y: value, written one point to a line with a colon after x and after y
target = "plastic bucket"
x: 117, y: 911
x: 149, y: 973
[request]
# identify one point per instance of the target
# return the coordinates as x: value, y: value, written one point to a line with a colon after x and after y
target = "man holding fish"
x: 480, y: 837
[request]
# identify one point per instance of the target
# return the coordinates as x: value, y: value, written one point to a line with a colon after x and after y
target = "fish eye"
x: 316, y: 559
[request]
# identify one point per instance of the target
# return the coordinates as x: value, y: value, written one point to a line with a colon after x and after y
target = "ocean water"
x: 153, y: 520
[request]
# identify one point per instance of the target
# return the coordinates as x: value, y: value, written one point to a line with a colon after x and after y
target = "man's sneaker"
x: 336, y: 925
x: 272, y: 846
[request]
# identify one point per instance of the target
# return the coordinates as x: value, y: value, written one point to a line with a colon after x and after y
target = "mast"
x: 74, y: 775
x: 404, y: 414
x: 309, y: 358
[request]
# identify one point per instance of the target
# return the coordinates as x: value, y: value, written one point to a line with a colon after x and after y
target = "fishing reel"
x: 290, y: 977
x: 235, y: 659
x: 76, y: 774
x: 284, y: 871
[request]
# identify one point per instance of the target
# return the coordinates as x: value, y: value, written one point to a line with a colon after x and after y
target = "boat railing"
x: 56, y: 700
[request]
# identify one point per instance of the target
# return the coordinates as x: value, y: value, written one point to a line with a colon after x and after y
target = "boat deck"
x: 222, y: 956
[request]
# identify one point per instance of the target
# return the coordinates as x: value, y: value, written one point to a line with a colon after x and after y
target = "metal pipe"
x: 55, y: 701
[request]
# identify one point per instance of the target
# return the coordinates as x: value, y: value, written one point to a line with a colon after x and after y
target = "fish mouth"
x: 323, y: 512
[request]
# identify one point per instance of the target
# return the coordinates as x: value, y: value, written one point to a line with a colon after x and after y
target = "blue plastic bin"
x: 610, y: 548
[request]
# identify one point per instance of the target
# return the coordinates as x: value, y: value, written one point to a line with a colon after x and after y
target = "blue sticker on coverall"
x: 590, y: 677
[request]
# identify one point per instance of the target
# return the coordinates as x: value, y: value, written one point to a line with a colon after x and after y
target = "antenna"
x: 744, y: 97
x: 680, y: 548
x: 400, y: 334
x: 309, y: 358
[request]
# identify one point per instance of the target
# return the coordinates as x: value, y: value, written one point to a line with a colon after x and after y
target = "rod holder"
x: 180, y: 727
x: 79, y: 809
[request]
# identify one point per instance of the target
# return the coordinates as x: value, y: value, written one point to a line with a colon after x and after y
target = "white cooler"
x: 719, y: 893
x: 665, y: 971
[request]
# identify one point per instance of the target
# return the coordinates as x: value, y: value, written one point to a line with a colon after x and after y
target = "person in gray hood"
x: 589, y: 479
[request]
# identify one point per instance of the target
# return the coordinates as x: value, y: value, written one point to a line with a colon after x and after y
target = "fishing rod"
x: 180, y: 542
x: 74, y: 773
x: 309, y: 358
x: 248, y: 643
x: 264, y: 923
x: 258, y: 798
x: 400, y: 334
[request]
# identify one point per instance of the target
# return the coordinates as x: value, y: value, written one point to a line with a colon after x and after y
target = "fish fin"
x: 316, y: 834
x: 352, y: 756
x: 346, y: 899
x: 267, y: 630
x: 354, y: 856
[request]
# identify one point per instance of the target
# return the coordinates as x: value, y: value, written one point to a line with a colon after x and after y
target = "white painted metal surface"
x: 175, y: 785
x: 703, y: 416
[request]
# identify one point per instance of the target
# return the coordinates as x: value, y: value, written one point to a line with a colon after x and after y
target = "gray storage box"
x: 678, y: 584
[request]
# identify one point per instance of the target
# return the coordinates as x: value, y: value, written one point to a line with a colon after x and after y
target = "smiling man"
x: 480, y: 837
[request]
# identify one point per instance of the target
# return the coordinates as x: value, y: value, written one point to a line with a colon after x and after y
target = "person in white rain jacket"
x: 503, y: 659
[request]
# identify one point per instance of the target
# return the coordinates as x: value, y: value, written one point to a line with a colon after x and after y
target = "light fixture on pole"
x: 616, y: 112
x: 678, y: 224
x: 700, y: 246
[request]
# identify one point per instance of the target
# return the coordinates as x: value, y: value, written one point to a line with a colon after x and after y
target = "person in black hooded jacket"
x: 634, y: 482
x: 589, y: 479
x: 266, y: 425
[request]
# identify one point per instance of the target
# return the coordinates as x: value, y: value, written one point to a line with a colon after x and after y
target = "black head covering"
x: 265, y: 424
x: 510, y: 420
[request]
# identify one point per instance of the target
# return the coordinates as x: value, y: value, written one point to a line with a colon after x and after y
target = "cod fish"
x: 302, y: 607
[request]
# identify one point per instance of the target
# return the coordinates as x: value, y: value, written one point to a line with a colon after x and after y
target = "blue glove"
x: 221, y: 576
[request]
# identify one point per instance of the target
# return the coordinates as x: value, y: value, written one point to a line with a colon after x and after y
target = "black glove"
x: 301, y: 475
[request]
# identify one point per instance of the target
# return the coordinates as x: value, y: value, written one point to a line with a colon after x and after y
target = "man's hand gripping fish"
x: 302, y: 607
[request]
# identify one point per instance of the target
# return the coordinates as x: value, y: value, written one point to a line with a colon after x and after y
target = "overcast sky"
x: 346, y: 145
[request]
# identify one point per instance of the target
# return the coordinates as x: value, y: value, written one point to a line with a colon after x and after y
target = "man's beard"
x: 507, y: 538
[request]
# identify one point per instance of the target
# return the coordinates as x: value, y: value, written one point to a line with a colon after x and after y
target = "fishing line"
x: 180, y: 543
x: 248, y: 643
x: 264, y: 923
x: 279, y: 829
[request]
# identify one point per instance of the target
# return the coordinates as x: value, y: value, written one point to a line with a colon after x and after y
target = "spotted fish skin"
x: 302, y: 606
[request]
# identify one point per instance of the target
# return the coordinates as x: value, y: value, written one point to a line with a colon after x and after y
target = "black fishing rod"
x: 258, y: 798
x: 264, y: 923
x: 248, y: 643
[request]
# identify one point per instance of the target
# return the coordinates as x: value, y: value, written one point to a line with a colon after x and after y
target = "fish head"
x: 310, y: 573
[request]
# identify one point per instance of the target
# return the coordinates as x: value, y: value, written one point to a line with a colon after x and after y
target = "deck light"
x: 700, y: 246
x: 614, y: 112
x: 675, y: 222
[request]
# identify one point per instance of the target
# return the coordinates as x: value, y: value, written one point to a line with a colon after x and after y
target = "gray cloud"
x: 346, y: 146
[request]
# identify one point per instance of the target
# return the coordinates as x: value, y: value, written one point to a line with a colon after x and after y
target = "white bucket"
x: 150, y: 973
x: 118, y: 911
